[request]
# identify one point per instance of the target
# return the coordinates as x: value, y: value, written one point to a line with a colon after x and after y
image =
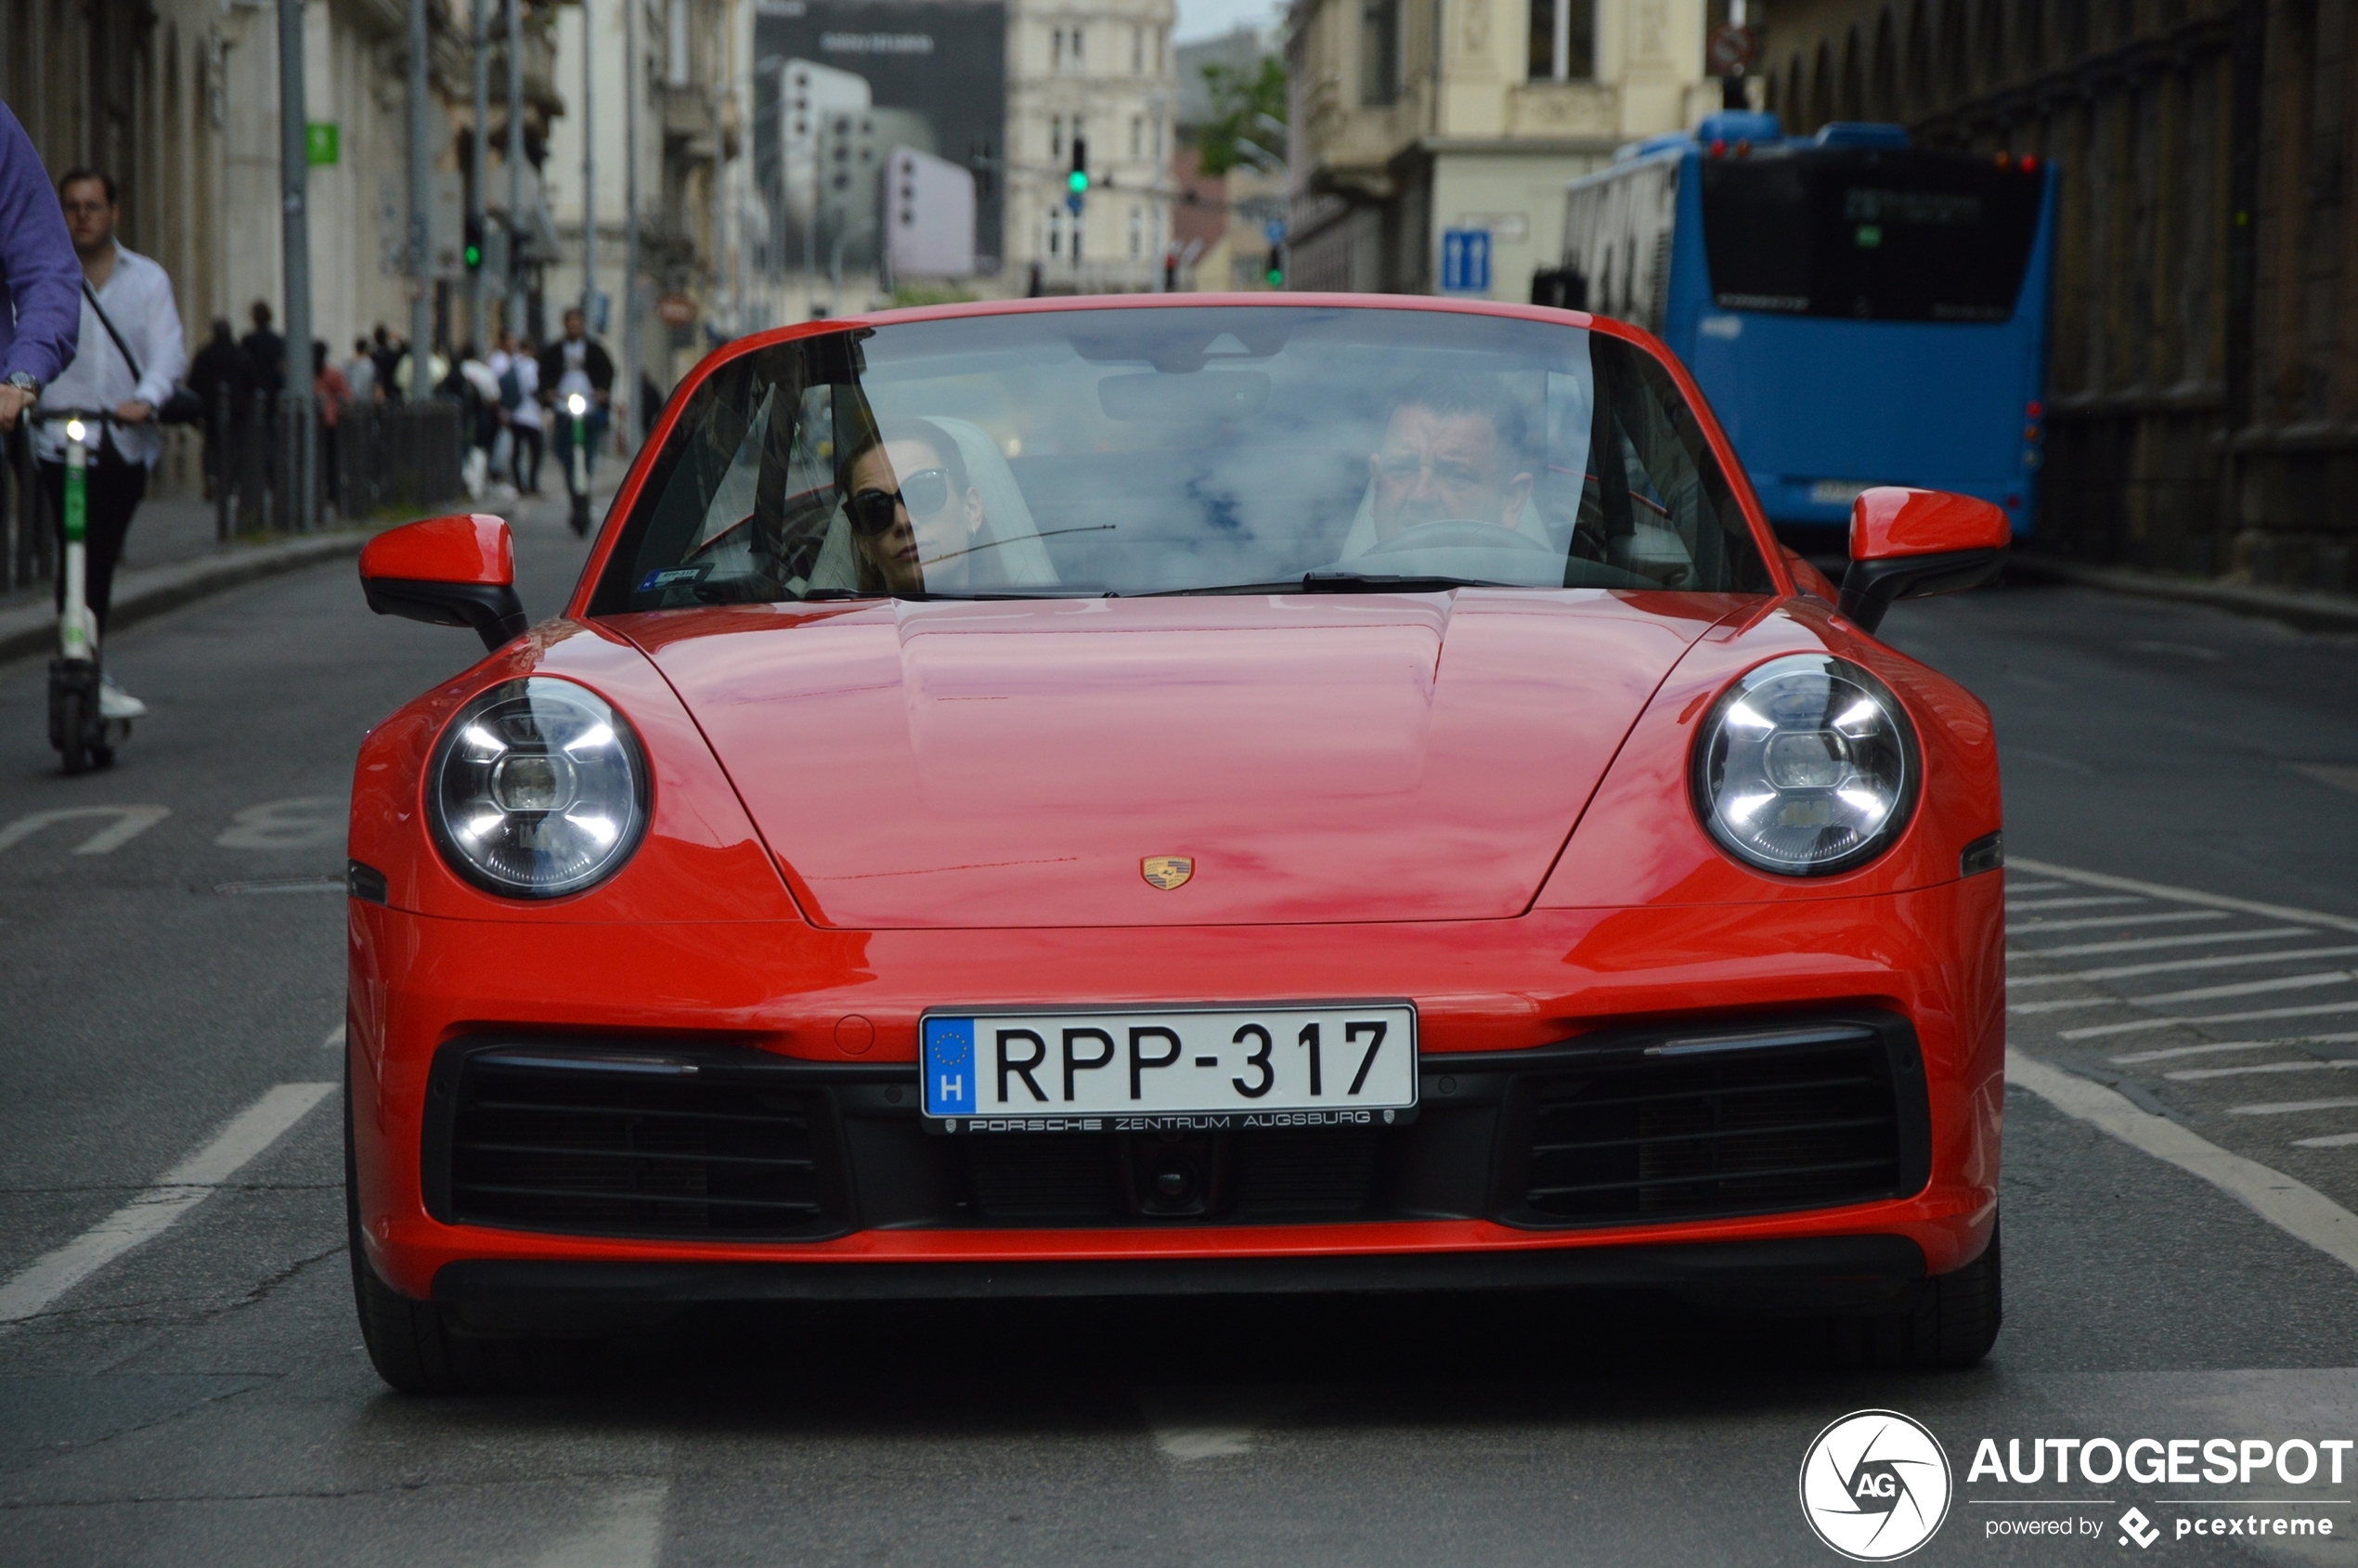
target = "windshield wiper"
x: 1342, y: 582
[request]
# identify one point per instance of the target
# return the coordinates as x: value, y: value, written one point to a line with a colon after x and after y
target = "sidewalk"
x: 172, y: 558
x: 2309, y: 611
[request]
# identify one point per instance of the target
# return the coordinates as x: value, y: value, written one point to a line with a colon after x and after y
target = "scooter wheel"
x: 73, y: 736
x: 581, y: 517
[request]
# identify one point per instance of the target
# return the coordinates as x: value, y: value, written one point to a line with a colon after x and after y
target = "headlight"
x: 1807, y: 767
x: 577, y: 405
x: 538, y: 789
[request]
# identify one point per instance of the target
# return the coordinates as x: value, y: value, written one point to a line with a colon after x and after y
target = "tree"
x: 1244, y: 104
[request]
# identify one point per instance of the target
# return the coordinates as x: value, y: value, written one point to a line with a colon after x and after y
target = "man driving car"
x: 1451, y: 449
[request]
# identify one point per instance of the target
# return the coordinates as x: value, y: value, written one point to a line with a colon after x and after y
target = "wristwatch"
x: 26, y: 382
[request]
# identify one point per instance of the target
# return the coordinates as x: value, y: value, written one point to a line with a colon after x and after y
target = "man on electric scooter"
x: 132, y: 295
x: 576, y: 363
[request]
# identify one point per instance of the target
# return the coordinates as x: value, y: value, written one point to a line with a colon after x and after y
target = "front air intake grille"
x: 635, y: 1146
x: 1711, y: 1127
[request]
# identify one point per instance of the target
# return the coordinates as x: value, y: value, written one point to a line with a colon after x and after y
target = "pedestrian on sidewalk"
x: 576, y: 362
x: 37, y: 268
x: 331, y: 392
x: 217, y: 373
x: 525, y: 416
x: 130, y: 294
x: 360, y: 372
x: 265, y: 353
x: 387, y: 354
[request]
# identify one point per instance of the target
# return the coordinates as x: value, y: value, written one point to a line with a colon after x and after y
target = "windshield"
x: 1181, y: 450
x: 1871, y: 234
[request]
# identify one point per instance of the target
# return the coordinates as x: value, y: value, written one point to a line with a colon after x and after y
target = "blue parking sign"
x: 1465, y: 261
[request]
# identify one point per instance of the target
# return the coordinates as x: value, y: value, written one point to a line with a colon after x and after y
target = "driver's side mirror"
x: 1910, y: 544
x: 448, y: 571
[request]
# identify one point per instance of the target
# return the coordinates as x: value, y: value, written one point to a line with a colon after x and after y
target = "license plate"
x: 1204, y: 1069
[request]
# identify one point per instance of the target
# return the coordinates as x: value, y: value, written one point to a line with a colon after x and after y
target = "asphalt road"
x: 202, y: 1397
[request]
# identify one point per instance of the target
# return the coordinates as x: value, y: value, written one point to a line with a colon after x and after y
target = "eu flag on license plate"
x: 950, y: 1067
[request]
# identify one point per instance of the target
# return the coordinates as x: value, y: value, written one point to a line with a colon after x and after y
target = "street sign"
x: 322, y: 140
x: 1465, y: 261
x: 1274, y: 231
x: 676, y: 310
x: 1730, y: 49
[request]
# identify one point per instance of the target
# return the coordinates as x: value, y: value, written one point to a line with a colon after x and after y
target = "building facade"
x: 2204, y: 373
x: 1101, y: 73
x: 1413, y: 119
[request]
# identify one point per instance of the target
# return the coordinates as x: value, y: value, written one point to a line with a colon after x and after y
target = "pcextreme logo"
x: 1875, y: 1485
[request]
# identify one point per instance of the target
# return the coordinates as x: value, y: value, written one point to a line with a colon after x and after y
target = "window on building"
x: 1137, y: 51
x: 1137, y: 232
x: 1158, y: 137
x: 1379, y: 23
x: 1563, y: 40
x: 1079, y: 53
x: 1052, y: 232
x: 1056, y: 51
x: 1055, y: 136
x: 1138, y: 136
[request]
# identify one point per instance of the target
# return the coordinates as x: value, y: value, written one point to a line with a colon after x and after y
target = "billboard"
x: 854, y: 80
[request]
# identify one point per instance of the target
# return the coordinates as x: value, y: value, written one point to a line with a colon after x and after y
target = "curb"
x: 2309, y: 612
x: 32, y: 628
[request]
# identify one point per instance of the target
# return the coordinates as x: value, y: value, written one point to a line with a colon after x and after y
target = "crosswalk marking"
x: 2222, y: 961
x: 2146, y: 944
x: 2112, y: 921
x: 2288, y: 1107
x: 2014, y: 908
x: 2195, y: 1074
x: 2247, y: 988
x: 2169, y: 1051
x: 2094, y: 1030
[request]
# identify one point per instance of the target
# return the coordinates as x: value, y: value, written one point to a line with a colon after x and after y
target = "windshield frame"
x: 634, y: 490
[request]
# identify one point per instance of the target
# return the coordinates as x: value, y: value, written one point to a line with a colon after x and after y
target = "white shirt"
x: 139, y: 300
x: 577, y: 378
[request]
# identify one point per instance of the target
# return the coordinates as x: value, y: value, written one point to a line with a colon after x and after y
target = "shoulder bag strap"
x: 120, y: 347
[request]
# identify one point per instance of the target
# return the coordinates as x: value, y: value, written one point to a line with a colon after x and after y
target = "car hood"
x: 1317, y: 758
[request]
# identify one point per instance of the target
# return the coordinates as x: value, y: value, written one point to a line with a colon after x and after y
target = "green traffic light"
x: 474, y: 255
x: 1277, y: 275
x: 1078, y: 181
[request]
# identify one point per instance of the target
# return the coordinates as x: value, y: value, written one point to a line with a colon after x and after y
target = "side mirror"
x: 448, y: 571
x: 1909, y: 544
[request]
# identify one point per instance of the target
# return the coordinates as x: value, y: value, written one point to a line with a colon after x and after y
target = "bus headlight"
x: 538, y: 789
x: 1807, y: 766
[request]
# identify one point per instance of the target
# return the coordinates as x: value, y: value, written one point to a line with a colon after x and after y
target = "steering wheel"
x: 1460, y: 533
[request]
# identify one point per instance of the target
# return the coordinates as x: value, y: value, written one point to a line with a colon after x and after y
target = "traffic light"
x: 1277, y: 267
x: 473, y: 248
x: 1077, y: 181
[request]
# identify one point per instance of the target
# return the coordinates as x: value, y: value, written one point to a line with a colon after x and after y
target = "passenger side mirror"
x: 448, y: 571
x: 1910, y: 544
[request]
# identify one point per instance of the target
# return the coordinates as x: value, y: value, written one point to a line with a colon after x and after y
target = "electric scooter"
x: 84, y: 737
x: 578, y: 459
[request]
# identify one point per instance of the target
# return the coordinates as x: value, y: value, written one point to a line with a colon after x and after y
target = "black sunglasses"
x: 923, y: 493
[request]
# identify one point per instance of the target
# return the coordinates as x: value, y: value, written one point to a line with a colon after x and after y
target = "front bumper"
x: 1446, y: 1198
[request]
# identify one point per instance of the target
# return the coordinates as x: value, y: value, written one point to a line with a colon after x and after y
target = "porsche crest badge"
x: 1167, y: 872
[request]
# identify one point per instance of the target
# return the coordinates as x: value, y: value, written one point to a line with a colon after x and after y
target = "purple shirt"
x: 38, y: 271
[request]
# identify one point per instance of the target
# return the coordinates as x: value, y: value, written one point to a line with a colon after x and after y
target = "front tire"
x: 1950, y: 1322
x: 412, y: 1344
x: 74, y: 731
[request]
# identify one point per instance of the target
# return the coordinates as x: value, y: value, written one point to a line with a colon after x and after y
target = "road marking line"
x: 2249, y: 987
x: 2112, y: 922
x: 2233, y: 1046
x: 2225, y: 960
x: 335, y: 1041
x: 2195, y: 1074
x: 2286, y: 1107
x: 2292, y: 1207
x: 2035, y: 886
x: 628, y: 1535
x: 2338, y: 1140
x: 2066, y: 1007
x: 2188, y: 896
x: 2013, y: 907
x: 130, y: 822
x: 175, y: 1192
x: 2212, y: 1018
x: 2142, y: 944
x: 2327, y: 774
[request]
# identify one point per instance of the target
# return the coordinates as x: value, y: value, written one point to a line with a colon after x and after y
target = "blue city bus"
x: 1858, y: 311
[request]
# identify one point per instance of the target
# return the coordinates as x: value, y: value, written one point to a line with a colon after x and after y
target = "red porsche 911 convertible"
x: 1188, y: 794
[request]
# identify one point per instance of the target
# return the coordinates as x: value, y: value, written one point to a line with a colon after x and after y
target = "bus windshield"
x: 1870, y: 234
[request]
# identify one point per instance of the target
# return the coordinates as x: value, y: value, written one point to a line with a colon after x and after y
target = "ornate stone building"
x: 1415, y: 117
x: 2204, y: 409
